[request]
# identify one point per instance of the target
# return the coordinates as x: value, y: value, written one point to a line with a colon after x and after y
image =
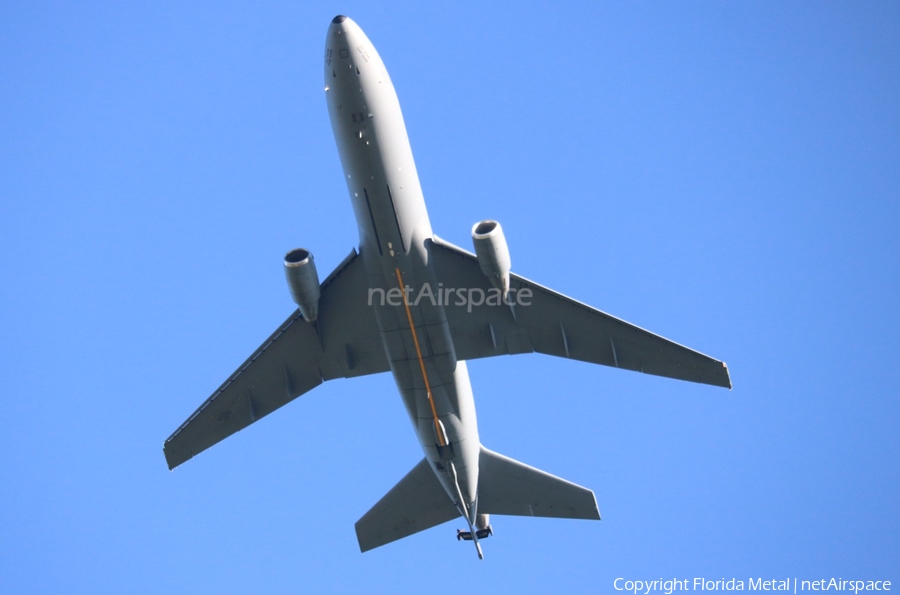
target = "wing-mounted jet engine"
x: 303, y: 281
x: 492, y: 253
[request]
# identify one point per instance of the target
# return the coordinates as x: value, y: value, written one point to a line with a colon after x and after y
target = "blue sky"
x: 724, y: 174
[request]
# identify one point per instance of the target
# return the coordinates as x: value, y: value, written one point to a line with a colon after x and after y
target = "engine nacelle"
x: 492, y: 253
x: 303, y: 281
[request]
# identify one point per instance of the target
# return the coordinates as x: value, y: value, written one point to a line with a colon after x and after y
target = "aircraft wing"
x: 555, y: 324
x: 343, y: 342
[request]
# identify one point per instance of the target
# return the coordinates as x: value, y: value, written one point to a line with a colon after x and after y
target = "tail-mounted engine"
x: 492, y: 253
x: 303, y: 281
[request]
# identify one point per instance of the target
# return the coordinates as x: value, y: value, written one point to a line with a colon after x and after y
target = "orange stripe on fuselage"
x: 437, y: 425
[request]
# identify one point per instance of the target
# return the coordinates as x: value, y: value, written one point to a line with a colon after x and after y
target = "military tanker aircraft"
x: 412, y: 304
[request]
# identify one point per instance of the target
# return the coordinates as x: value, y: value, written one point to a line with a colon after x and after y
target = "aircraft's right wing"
x: 555, y: 324
x: 343, y: 342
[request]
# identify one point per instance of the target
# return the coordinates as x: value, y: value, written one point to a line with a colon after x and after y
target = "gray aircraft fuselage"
x: 394, y: 237
x: 369, y: 316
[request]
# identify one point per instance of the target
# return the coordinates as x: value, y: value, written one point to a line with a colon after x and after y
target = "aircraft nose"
x: 342, y: 25
x: 344, y: 32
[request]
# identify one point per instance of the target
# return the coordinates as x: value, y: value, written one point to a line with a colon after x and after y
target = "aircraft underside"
x: 412, y: 304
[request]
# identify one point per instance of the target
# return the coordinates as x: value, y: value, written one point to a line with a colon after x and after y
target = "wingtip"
x: 171, y: 460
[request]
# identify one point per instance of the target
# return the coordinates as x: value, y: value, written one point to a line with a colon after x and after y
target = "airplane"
x: 419, y: 307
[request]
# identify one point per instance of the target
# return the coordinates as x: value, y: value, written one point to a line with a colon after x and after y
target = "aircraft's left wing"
x: 298, y: 356
x: 556, y: 324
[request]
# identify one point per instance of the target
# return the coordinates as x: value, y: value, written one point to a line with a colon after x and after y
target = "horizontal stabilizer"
x: 417, y: 503
x: 506, y: 486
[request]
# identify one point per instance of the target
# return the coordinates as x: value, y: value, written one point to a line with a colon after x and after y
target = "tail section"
x: 506, y: 486
x: 417, y: 503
